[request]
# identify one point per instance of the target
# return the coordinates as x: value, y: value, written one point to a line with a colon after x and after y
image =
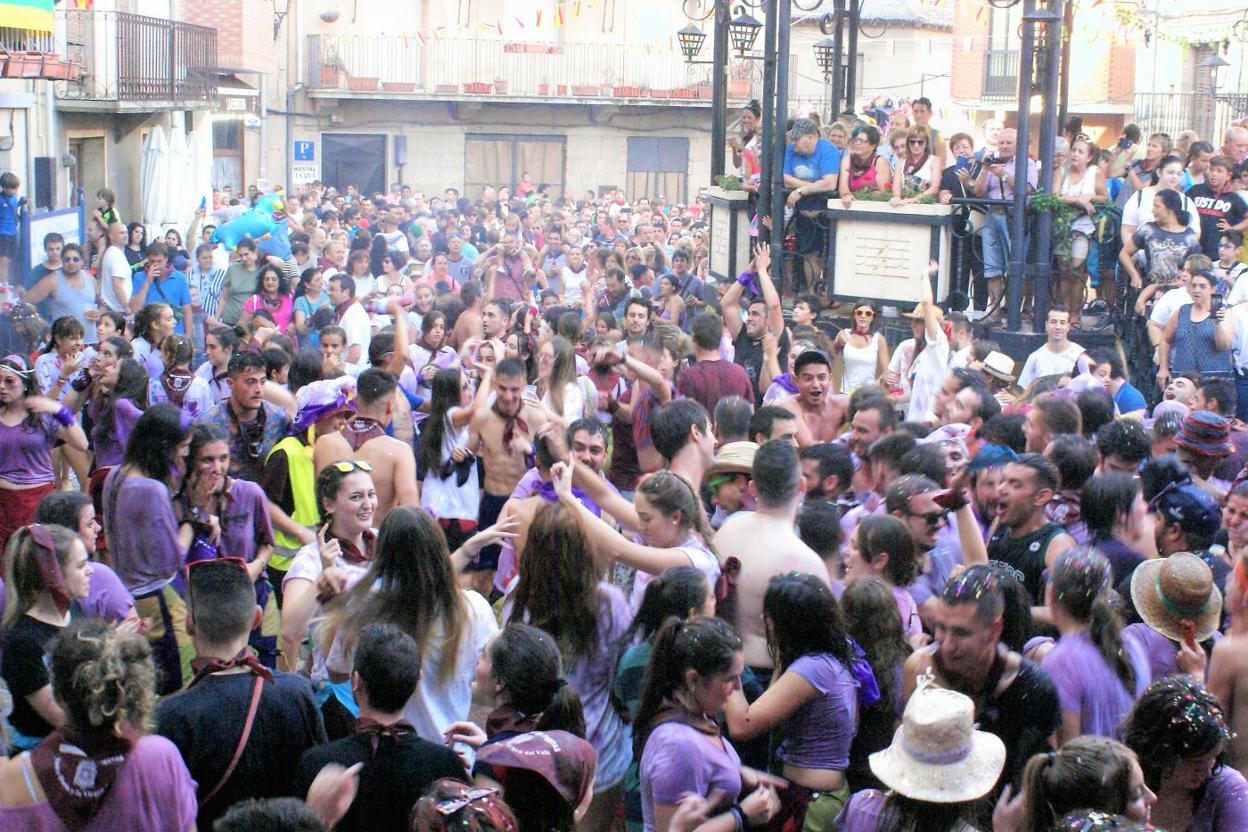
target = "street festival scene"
x: 536, y: 416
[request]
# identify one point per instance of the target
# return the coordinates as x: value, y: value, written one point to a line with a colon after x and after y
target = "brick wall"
x: 967, y: 68
x: 244, y: 31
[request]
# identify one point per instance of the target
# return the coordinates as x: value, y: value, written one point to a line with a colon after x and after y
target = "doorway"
x: 354, y: 159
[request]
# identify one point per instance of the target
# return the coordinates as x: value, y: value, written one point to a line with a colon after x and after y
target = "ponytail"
x: 1089, y: 772
x: 564, y: 713
x: 526, y: 661
x: 1081, y: 579
x: 1105, y: 628
x: 1035, y: 787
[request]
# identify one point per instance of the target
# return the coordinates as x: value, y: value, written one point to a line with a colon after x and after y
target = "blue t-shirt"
x: 1129, y: 399
x: 826, y: 159
x: 10, y: 204
x: 173, y: 290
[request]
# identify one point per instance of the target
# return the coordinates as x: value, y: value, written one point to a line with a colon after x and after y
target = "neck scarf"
x: 341, y: 309
x: 912, y: 168
x: 49, y: 569
x: 250, y: 434
x: 77, y: 771
x: 510, y: 423
x: 175, y: 384
x: 547, y: 492
x: 353, y: 555
x: 674, y: 711
x: 374, y: 730
x: 206, y: 666
x: 361, y: 429
x: 506, y: 719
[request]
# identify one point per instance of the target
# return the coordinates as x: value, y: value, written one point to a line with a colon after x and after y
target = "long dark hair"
x: 445, y: 388
x: 1082, y: 580
x: 527, y: 662
x: 283, y: 282
x: 1174, y: 203
x: 1105, y: 498
x: 30, y: 387
x: 872, y: 620
x: 672, y: 594
x: 66, y: 326
x: 1177, y: 718
x: 804, y: 619
x: 410, y: 584
x: 705, y: 645
x: 132, y: 382
x: 154, y: 440
x: 557, y: 589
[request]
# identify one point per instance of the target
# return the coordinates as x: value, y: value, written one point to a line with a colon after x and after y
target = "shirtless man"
x: 1228, y: 667
x: 469, y: 322
x: 494, y: 318
x: 820, y: 414
x: 364, y: 439
x: 502, y: 436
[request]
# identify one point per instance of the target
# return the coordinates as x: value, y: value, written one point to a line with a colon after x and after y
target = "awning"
x: 232, y: 86
x: 32, y: 15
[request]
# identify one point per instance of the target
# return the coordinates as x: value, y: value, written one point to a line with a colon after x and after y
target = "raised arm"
x: 775, y: 315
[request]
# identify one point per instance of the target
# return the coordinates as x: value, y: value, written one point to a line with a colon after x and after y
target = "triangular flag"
x: 519, y: 22
x: 539, y: 18
x: 421, y: 35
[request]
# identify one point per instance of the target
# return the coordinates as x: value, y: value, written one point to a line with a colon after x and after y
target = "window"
x: 496, y: 161
x: 227, y: 153
x: 658, y: 166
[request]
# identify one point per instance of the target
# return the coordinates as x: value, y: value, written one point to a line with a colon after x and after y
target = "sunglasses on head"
x: 347, y: 466
x: 450, y: 805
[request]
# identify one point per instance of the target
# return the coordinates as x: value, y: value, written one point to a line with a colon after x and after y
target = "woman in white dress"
x: 559, y: 388
x: 445, y: 466
x: 863, y: 351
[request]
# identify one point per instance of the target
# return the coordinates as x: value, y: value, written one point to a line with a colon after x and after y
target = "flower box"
x: 500, y: 86
x: 584, y: 90
x: 561, y: 89
x: 359, y: 84
x: 626, y: 92
x: 446, y: 89
x: 331, y: 76
x: 477, y: 88
x: 24, y: 65
x: 660, y: 93
x: 57, y: 69
x: 398, y: 86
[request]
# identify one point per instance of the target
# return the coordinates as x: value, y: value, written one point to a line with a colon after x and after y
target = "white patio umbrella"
x: 200, y: 143
x: 178, y: 205
x: 153, y: 177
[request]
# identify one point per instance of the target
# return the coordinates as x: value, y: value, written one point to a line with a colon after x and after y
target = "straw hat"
x: 1168, y: 591
x: 936, y: 755
x: 734, y: 458
x: 1000, y: 366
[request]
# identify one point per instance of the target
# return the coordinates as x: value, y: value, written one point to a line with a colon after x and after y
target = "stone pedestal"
x: 729, y: 236
x: 874, y: 251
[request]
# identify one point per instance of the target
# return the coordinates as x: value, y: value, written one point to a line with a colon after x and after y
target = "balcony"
x: 386, y: 66
x: 1001, y: 74
x: 133, y: 63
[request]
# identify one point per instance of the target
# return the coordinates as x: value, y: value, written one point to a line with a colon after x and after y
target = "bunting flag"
x: 31, y: 15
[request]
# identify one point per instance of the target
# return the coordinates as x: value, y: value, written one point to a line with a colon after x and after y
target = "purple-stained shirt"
x: 107, y: 597
x: 1160, y: 651
x: 153, y: 792
x: 26, y: 451
x: 1224, y: 805
x: 594, y: 679
x: 1087, y: 684
x: 909, y: 611
x: 142, y: 531
x: 819, y: 733
x: 110, y: 450
x: 679, y: 760
x: 245, y: 526
x: 940, y: 563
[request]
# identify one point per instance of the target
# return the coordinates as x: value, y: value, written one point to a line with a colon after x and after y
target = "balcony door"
x: 658, y: 166
x: 500, y: 160
x: 354, y: 159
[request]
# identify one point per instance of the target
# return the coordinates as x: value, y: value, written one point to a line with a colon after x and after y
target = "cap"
x: 803, y: 127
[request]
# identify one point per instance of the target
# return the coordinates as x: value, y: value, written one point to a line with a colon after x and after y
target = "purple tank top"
x: 26, y: 452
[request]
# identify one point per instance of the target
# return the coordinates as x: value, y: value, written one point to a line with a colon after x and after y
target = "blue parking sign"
x: 305, y: 151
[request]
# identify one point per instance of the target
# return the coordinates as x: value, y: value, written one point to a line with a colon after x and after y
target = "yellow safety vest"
x: 303, y: 487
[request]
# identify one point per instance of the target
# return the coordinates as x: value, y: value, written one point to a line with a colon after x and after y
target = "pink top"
x: 282, y: 315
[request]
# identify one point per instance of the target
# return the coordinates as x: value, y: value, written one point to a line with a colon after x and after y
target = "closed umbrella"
x: 178, y: 206
x: 153, y: 177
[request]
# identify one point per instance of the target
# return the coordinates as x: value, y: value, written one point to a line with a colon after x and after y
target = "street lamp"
x: 1212, y: 62
x: 743, y: 31
x: 691, y: 39
x: 825, y: 55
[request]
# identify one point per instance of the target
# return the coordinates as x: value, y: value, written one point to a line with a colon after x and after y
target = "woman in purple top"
x: 1115, y: 512
x: 883, y: 547
x: 29, y: 424
x: 121, y: 397
x: 152, y: 325
x: 145, y: 540
x: 558, y: 590
x: 104, y: 682
x: 241, y: 511
x: 696, y: 665
x: 108, y: 597
x: 1087, y: 773
x: 1098, y: 675
x: 815, y: 699
x: 1179, y: 733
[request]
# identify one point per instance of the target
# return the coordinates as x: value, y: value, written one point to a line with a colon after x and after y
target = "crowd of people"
x: 504, y: 515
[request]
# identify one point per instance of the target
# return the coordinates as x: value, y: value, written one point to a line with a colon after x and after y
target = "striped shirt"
x: 206, y: 288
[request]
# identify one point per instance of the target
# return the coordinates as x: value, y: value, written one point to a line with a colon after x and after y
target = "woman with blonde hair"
x: 916, y: 173
x: 559, y: 388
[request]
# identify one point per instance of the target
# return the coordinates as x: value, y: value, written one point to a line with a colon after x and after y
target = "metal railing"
x: 1174, y: 112
x: 1001, y: 73
x: 24, y: 40
x: 489, y: 66
x: 135, y: 58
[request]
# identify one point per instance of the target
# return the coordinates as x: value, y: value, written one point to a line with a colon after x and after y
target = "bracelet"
x: 64, y: 417
x: 738, y: 817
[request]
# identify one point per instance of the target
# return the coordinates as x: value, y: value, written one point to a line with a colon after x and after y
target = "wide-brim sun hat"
x: 936, y: 755
x: 734, y: 458
x: 1000, y: 366
x: 1168, y: 591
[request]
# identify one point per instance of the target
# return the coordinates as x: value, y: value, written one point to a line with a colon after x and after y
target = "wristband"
x: 738, y: 817
x: 64, y: 417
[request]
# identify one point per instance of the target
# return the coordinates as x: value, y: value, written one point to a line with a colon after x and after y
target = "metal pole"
x: 1068, y: 27
x: 1048, y: 137
x: 851, y: 67
x: 838, y: 55
x: 719, y: 90
x: 780, y: 12
x: 768, y: 126
x: 1018, y: 212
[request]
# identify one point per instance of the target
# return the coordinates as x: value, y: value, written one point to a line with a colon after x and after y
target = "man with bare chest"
x: 502, y: 437
x: 364, y: 439
x: 819, y: 414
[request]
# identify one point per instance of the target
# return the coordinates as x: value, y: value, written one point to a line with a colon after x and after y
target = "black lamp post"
x: 691, y: 39
x: 743, y: 30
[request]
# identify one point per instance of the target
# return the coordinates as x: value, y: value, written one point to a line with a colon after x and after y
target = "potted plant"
x: 332, y: 69
x: 477, y: 88
x: 398, y: 86
x: 500, y: 86
x: 357, y: 83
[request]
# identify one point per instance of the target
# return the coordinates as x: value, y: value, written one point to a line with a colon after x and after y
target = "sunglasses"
x: 451, y: 805
x: 347, y: 466
x: 713, y: 485
x: 933, y: 519
x: 72, y: 259
x: 864, y: 313
x: 917, y: 141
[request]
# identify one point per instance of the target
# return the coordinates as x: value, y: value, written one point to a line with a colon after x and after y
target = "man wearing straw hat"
x: 1015, y: 700
x: 728, y: 481
x: 1181, y: 609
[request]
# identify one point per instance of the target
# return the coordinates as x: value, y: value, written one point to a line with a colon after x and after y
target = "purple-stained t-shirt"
x: 594, y: 678
x: 110, y: 449
x: 26, y: 452
x: 862, y: 814
x: 1160, y: 652
x: 1087, y: 684
x: 680, y: 760
x: 910, y: 621
x: 142, y: 531
x: 819, y: 733
x: 931, y: 581
x: 108, y: 597
x: 245, y: 526
x: 153, y: 792
x: 1224, y: 805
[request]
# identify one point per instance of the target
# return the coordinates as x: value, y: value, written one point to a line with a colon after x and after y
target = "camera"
x: 994, y: 160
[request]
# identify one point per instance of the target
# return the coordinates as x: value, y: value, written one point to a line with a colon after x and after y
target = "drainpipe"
x: 264, y: 127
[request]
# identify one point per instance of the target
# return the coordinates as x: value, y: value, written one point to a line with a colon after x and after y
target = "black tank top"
x: 1023, y: 557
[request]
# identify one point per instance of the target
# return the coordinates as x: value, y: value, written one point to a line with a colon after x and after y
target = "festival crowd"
x: 504, y: 515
